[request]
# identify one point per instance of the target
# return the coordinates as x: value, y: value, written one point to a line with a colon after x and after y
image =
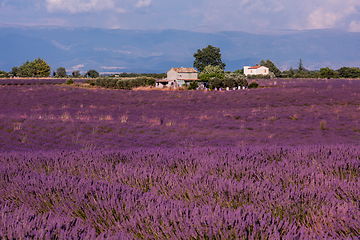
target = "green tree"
x: 76, y: 73
x: 229, y: 82
x: 327, y: 73
x: 215, y: 82
x: 240, y: 71
x: 262, y: 63
x: 3, y: 74
x: 301, y: 67
x: 92, y: 73
x: 349, y: 72
x: 207, y: 76
x: 40, y: 68
x: 36, y: 68
x: 24, y: 70
x: 14, y: 71
x: 211, y: 71
x: 291, y: 72
x: 208, y: 56
x: 272, y: 67
x: 61, y: 72
x: 234, y: 80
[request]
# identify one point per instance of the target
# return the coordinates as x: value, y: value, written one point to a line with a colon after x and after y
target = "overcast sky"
x: 237, y: 15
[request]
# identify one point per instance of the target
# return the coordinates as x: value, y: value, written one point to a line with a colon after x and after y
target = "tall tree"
x: 76, y: 73
x: 61, y: 72
x: 14, y: 71
x: 301, y: 67
x: 291, y: 71
x: 36, y: 68
x: 208, y: 56
x: 272, y: 67
x: 92, y: 73
x: 327, y: 73
x: 262, y: 63
x: 41, y: 68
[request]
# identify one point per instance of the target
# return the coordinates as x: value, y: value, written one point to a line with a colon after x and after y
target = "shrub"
x: 147, y: 81
x: 323, y: 125
x: 109, y: 82
x: 69, y: 81
x: 91, y: 82
x: 253, y: 85
x: 207, y: 76
x: 215, y: 82
x: 260, y: 76
x: 229, y: 82
x: 234, y: 79
x: 193, y: 85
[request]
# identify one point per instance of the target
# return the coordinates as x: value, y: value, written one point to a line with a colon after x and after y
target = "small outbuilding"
x: 177, y: 77
x: 256, y: 70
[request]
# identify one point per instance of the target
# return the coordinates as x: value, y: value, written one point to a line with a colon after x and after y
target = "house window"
x: 251, y: 71
x: 265, y: 71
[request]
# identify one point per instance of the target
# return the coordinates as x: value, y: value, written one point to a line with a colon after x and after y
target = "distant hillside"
x: 157, y: 51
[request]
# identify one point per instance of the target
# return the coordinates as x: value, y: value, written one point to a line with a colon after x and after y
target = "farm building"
x: 176, y: 77
x: 256, y: 70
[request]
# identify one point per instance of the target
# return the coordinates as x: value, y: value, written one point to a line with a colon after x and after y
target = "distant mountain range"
x: 116, y: 50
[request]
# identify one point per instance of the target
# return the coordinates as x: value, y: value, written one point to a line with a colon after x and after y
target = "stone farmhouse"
x: 177, y: 77
x: 256, y: 70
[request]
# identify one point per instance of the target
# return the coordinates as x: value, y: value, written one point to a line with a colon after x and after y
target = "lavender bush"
x: 283, y: 114
x: 182, y: 193
x: 121, y: 164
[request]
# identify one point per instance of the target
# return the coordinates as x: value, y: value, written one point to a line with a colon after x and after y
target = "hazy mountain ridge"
x: 119, y: 50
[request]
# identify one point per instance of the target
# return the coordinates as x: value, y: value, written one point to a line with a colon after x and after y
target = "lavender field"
x: 281, y: 161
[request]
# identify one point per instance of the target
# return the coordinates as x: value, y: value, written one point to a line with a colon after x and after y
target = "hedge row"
x: 117, y: 83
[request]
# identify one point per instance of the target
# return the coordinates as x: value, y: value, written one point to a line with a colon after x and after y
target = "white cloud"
x: 77, y: 6
x: 354, y: 26
x: 113, y: 68
x: 120, y: 10
x: 77, y: 67
x: 238, y: 15
x: 331, y: 13
x: 142, y: 3
x: 320, y: 18
x: 255, y: 15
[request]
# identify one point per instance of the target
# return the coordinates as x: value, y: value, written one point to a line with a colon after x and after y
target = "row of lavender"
x: 46, y: 117
x: 193, y: 193
x: 32, y: 81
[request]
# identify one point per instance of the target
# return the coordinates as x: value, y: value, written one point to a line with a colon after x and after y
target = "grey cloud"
x: 237, y: 15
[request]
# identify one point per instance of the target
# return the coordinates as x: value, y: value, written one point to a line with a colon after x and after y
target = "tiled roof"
x: 195, y: 79
x: 184, y: 70
x: 255, y: 67
x: 163, y: 80
x: 167, y: 80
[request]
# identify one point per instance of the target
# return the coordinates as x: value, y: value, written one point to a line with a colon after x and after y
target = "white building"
x: 176, y: 77
x: 256, y: 70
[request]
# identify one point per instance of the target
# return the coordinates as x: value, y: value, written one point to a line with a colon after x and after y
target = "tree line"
x: 39, y: 68
x: 209, y: 63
